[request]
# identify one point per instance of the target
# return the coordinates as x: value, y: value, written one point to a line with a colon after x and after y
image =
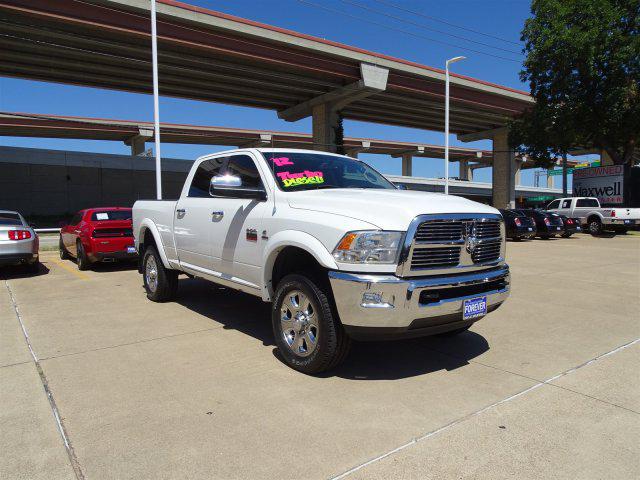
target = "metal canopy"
x: 56, y: 126
x: 210, y: 56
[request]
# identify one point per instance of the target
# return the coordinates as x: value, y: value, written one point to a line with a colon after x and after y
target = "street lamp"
x: 446, y: 122
x: 156, y: 103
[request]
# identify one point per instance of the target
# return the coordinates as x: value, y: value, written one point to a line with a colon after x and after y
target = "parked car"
x: 98, y: 235
x: 571, y: 226
x: 518, y: 225
x: 595, y: 217
x: 547, y: 224
x: 337, y: 249
x: 19, y: 243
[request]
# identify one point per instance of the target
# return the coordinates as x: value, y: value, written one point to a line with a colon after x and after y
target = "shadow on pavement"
x: 394, y: 360
x: 367, y: 360
x: 12, y: 272
x: 234, y: 310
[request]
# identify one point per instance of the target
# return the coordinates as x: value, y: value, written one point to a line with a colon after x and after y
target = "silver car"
x: 18, y: 242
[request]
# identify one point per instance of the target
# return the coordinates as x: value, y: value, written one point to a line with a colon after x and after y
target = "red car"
x: 98, y: 235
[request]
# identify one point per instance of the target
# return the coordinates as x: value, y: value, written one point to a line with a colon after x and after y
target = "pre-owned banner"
x: 604, y: 183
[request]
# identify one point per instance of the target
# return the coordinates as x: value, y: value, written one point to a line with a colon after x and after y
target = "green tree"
x: 583, y: 68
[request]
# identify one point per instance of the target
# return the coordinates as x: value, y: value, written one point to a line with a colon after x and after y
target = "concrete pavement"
x: 545, y: 387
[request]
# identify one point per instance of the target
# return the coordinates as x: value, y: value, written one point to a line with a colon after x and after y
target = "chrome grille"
x: 487, y: 230
x: 486, y: 252
x: 439, y: 231
x: 452, y: 243
x: 435, y: 257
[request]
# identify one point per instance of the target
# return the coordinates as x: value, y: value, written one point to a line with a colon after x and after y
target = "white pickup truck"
x: 595, y: 217
x: 338, y: 250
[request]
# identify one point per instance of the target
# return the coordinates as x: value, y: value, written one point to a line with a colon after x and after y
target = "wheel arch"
x: 290, y: 251
x: 148, y: 234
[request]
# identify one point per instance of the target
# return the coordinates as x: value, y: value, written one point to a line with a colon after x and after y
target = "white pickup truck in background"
x: 338, y: 250
x: 595, y: 217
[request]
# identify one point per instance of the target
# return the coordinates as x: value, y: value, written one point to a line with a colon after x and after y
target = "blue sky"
x: 499, y: 18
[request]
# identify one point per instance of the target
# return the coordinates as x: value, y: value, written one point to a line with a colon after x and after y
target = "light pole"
x: 446, y: 122
x: 156, y: 105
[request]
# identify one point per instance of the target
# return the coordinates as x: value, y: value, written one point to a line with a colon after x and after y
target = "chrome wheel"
x: 299, y: 323
x: 151, y: 273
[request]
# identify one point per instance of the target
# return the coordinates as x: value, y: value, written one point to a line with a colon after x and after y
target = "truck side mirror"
x: 231, y: 186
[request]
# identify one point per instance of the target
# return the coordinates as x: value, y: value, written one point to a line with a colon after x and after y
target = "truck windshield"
x: 311, y: 171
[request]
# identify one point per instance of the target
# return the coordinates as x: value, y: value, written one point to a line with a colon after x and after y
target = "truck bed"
x: 161, y: 214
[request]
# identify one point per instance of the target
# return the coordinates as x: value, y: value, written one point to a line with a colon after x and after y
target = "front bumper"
x: 389, y: 306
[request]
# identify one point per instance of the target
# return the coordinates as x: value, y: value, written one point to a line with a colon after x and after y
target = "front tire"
x: 160, y: 283
x: 308, y: 335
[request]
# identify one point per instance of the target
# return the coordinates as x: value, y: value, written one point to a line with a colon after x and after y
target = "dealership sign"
x: 604, y: 183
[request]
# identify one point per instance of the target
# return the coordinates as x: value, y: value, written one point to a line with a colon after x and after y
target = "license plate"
x: 530, y: 229
x: 629, y: 222
x: 474, y: 308
x: 131, y: 249
x: 578, y: 228
x: 558, y: 228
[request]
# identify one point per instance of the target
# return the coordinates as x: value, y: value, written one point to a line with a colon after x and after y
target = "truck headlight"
x: 369, y: 247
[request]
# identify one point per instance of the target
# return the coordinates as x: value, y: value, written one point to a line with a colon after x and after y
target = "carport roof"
x: 211, y: 56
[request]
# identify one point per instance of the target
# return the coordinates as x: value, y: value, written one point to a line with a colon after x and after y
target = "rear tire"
x: 566, y: 235
x: 81, y: 257
x: 160, y: 283
x: 595, y: 227
x: 64, y: 255
x: 621, y: 230
x: 308, y: 334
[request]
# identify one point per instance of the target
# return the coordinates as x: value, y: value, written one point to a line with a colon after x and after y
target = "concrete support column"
x: 466, y: 173
x: 504, y: 170
x: 518, y: 172
x: 354, y: 151
x: 407, y: 164
x: 137, y: 142
x: 325, y: 123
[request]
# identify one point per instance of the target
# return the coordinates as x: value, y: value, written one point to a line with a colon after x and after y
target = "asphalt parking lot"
x: 546, y: 387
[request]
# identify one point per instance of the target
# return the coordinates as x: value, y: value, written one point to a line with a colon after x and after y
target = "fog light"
x: 375, y: 300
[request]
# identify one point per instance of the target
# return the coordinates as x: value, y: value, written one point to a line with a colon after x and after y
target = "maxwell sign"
x: 604, y: 183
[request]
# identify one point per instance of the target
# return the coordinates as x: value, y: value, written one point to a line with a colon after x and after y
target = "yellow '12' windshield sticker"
x: 302, y: 178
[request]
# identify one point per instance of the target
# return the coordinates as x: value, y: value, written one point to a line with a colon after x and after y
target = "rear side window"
x: 587, y: 202
x: 111, y: 215
x: 566, y: 204
x: 202, y: 178
x: 10, y: 219
x: 553, y: 204
x: 244, y: 167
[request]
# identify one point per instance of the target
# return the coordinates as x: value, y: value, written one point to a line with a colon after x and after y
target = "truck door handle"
x: 217, y: 215
x: 180, y: 212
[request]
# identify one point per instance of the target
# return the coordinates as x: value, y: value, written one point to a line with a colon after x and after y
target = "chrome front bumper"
x: 397, y: 305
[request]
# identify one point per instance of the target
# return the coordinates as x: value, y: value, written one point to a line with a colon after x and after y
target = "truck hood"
x: 386, y: 209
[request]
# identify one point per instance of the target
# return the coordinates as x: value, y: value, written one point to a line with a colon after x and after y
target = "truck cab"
x: 339, y: 251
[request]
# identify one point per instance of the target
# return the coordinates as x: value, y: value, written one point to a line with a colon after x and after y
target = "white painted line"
x: 482, y: 410
x: 45, y: 386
